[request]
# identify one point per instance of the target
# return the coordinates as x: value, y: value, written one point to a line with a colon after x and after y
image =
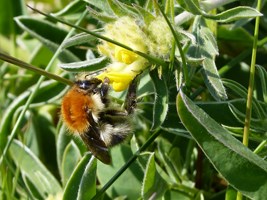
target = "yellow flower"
x: 120, y: 74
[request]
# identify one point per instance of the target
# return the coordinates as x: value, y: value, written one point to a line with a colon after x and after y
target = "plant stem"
x: 37, y: 70
x: 251, y: 80
x: 184, y: 66
x: 251, y: 86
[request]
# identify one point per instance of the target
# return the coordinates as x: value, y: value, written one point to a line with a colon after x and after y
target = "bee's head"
x: 85, y: 82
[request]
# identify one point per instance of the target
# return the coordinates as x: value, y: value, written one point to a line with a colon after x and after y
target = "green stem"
x: 126, y: 165
x: 31, y: 97
x: 261, y: 146
x: 152, y: 59
x: 37, y: 70
x: 250, y: 87
x: 184, y: 66
x: 251, y: 80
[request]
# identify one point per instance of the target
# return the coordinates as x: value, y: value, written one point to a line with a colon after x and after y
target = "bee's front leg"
x: 104, y: 90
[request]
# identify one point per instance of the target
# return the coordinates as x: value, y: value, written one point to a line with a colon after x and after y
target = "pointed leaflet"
x: 161, y: 99
x: 244, y: 170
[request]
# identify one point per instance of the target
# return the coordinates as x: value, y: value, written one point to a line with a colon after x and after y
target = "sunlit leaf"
x: 88, y: 65
x: 244, y: 170
x: 235, y: 14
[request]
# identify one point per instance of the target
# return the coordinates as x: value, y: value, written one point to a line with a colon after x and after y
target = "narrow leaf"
x: 78, y: 40
x: 101, y: 16
x: 72, y: 9
x: 102, y: 5
x: 70, y: 159
x: 244, y: 170
x: 235, y: 14
x: 49, y: 34
x: 88, y: 65
x: 262, y: 73
x: 161, y: 99
x: 87, y: 187
x: 212, y: 79
x: 73, y: 186
x: 154, y: 186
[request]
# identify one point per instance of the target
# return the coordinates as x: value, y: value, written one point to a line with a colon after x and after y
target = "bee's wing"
x: 94, y: 142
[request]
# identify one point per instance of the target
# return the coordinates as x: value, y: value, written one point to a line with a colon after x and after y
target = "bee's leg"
x: 130, y: 100
x: 104, y: 90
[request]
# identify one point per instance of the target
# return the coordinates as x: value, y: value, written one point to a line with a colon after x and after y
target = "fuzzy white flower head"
x: 125, y: 64
x: 160, y: 37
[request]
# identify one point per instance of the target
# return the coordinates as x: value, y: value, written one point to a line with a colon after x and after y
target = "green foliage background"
x: 190, y: 115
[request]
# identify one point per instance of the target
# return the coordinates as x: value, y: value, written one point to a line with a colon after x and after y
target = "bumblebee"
x: 87, y: 110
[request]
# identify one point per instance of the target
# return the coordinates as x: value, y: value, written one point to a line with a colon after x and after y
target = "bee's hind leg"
x: 130, y: 100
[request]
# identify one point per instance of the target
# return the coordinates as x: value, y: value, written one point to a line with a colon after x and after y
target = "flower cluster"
x: 154, y: 39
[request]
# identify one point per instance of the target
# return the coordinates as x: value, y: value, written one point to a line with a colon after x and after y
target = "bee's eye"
x: 88, y: 84
x: 84, y: 84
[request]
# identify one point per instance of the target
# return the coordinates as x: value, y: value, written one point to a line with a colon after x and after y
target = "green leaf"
x: 226, y: 116
x: 244, y: 170
x: 5, y: 125
x: 262, y: 73
x: 62, y: 141
x: 206, y: 47
x: 181, y: 195
x: 119, y: 8
x: 191, y: 6
x: 101, y: 16
x: 88, y: 65
x: 154, y: 186
x: 87, y: 187
x: 70, y: 159
x: 235, y: 14
x: 102, y: 5
x: 161, y: 99
x: 171, y: 157
x: 49, y: 34
x: 212, y: 79
x: 240, y: 90
x: 72, y: 10
x: 9, y: 10
x: 230, y: 193
x: 83, y: 176
x: 44, y: 182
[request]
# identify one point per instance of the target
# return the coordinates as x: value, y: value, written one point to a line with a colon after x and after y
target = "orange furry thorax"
x: 74, y: 107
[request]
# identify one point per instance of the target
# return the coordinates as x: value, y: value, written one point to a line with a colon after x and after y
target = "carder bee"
x: 88, y: 111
